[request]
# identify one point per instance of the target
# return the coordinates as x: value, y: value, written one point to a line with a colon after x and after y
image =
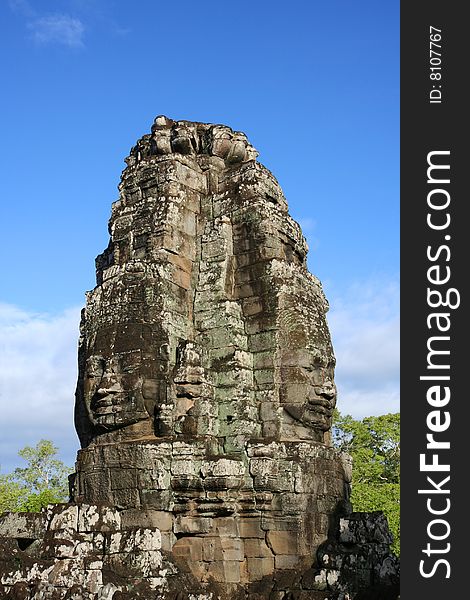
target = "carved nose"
x: 326, y: 392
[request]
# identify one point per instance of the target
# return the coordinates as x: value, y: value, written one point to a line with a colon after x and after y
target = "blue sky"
x: 314, y: 85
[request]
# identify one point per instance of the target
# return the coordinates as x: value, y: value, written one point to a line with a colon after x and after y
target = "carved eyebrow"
x: 95, y: 363
x: 129, y: 362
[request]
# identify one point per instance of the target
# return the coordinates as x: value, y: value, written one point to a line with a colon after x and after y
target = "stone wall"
x: 250, y: 509
x: 89, y: 552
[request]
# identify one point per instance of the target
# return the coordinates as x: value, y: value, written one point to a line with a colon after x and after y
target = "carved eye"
x: 130, y: 363
x: 95, y: 367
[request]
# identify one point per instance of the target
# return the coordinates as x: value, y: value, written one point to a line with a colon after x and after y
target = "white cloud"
x: 365, y: 331
x: 59, y: 29
x: 38, y: 372
x: 23, y: 7
x: 307, y: 224
x: 50, y: 29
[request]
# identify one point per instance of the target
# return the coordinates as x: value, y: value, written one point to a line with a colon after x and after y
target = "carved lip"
x: 103, y: 412
x: 319, y: 401
x: 321, y: 405
x: 106, y: 405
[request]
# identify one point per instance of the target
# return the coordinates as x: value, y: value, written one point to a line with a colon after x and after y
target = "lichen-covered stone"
x: 205, y: 320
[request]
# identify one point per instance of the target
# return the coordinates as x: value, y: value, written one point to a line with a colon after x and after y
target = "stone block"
x: 227, y: 526
x: 269, y: 411
x: 97, y: 488
x: 99, y: 542
x: 123, y: 478
x: 126, y: 498
x: 156, y: 499
x: 63, y: 517
x: 279, y: 522
x: 212, y: 548
x: 223, y: 483
x: 155, y: 478
x: 192, y: 525
x: 132, y: 564
x: 134, y: 541
x: 274, y: 482
x: 264, y: 376
x: 231, y: 549
x: 181, y: 278
x: 22, y: 525
x: 189, y: 548
x: 168, y: 540
x: 224, y: 571
x: 185, y: 468
x: 60, y: 545
x: 159, y: 519
x: 187, y: 485
x: 261, y: 342
x: 64, y: 574
x: 271, y: 428
x: 94, y: 518
x: 291, y: 504
x: 250, y: 527
x: 93, y: 581
x: 267, y: 449
x: 263, y: 467
x: 191, y: 178
x: 259, y: 567
x: 252, y: 306
x: 257, y: 548
x: 283, y: 542
x: 223, y: 467
x: 363, y: 528
x: 286, y: 561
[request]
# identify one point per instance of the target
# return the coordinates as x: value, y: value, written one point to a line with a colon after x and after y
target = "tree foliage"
x: 374, y: 444
x: 42, y: 481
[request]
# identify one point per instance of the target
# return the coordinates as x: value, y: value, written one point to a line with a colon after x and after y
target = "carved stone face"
x: 184, y: 139
x: 308, y: 393
x: 115, y: 391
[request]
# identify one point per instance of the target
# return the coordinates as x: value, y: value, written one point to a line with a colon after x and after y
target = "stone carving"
x: 205, y: 393
x: 203, y: 252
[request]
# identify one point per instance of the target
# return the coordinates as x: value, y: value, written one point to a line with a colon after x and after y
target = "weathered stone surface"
x: 204, y: 400
x: 357, y: 559
x: 205, y: 320
x: 22, y: 525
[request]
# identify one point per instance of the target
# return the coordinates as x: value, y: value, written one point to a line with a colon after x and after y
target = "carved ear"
x: 165, y: 352
x: 180, y: 350
x: 151, y: 395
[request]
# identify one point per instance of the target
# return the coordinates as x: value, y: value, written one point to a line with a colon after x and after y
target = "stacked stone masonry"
x: 205, y: 394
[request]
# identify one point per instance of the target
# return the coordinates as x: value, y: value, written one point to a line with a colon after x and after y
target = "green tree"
x: 11, y: 494
x: 42, y: 481
x: 374, y: 444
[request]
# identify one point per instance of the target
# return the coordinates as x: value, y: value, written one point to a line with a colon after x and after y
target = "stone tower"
x: 206, y: 387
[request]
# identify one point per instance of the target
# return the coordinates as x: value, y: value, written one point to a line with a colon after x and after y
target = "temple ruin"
x: 204, y: 403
